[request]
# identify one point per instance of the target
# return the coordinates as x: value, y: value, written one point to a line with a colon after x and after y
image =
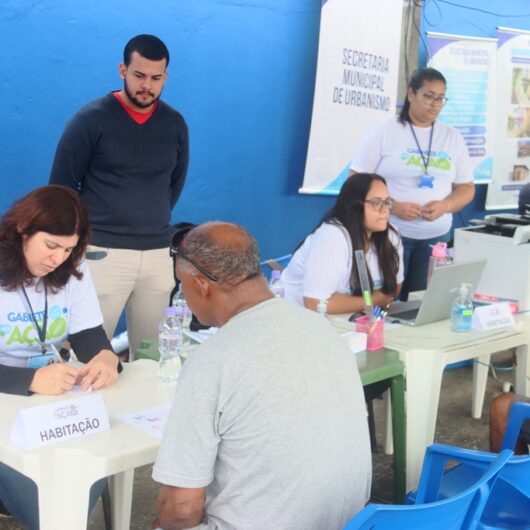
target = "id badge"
x: 42, y: 359
x: 426, y: 181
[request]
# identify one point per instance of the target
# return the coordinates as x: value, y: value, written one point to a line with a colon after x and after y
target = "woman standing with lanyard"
x: 427, y: 168
x: 47, y: 296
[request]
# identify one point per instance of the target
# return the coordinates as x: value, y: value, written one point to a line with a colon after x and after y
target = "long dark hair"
x: 419, y: 76
x: 348, y: 211
x: 53, y: 209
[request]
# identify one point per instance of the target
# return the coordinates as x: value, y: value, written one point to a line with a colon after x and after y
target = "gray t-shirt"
x: 270, y: 415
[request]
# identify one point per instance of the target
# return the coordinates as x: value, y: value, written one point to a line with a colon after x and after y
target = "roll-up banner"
x: 469, y: 66
x: 356, y: 84
x: 511, y: 167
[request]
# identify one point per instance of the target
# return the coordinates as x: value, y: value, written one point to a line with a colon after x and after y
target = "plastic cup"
x: 374, y: 329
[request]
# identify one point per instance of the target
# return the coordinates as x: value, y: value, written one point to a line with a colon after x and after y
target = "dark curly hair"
x: 56, y: 210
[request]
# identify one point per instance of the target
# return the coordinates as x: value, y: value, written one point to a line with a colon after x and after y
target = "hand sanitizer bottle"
x: 462, y: 310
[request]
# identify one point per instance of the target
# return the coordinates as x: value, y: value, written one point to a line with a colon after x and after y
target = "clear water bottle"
x: 439, y: 258
x: 169, y: 341
x: 276, y: 285
x: 462, y: 310
x: 183, y: 312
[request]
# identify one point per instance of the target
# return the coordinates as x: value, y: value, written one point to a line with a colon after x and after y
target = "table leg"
x: 63, y: 490
x: 423, y: 370
x: 388, y: 442
x: 522, y: 371
x: 121, y: 491
x: 397, y: 390
x: 480, y: 378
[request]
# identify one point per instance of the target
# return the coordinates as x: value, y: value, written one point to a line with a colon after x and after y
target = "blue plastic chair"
x: 509, y: 504
x: 460, y: 512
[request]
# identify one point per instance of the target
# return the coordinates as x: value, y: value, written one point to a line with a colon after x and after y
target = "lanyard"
x: 425, y: 162
x: 41, y: 332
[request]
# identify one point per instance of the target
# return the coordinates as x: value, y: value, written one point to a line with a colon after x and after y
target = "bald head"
x: 225, y: 250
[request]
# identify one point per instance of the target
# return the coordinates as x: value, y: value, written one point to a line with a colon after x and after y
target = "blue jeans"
x: 19, y: 495
x: 416, y: 254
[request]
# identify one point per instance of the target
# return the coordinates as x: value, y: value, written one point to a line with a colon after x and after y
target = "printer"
x: 504, y: 241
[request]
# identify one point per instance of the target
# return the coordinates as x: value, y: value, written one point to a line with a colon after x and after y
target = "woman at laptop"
x: 47, y: 296
x: 323, y: 266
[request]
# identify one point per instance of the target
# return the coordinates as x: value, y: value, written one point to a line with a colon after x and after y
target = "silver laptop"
x: 439, y: 295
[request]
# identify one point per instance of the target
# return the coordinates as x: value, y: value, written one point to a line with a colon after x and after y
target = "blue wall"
x: 477, y: 19
x: 242, y: 74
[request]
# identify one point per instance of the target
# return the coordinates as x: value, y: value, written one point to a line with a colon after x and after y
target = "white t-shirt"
x: 389, y: 149
x: 74, y: 308
x: 322, y: 265
x: 269, y: 414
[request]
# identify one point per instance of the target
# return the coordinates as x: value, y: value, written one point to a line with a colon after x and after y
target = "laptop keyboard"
x: 411, y: 314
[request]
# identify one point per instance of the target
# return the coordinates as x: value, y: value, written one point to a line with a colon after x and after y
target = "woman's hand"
x: 381, y: 299
x: 434, y: 209
x: 406, y: 210
x: 54, y: 379
x: 100, y: 371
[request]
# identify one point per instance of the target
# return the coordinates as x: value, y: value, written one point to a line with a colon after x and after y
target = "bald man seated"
x: 268, y: 429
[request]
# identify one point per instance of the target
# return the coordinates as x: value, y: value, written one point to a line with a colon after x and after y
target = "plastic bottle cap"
x: 439, y: 250
x: 171, y: 311
x: 276, y: 274
x: 463, y: 290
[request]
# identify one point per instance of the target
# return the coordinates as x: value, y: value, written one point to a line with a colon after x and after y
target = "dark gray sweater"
x: 129, y: 175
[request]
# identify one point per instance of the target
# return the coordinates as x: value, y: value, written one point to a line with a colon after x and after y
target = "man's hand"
x: 434, y: 209
x: 406, y: 210
x: 54, y: 379
x: 100, y: 371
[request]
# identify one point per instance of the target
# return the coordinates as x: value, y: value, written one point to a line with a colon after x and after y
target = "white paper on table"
x: 355, y: 340
x: 201, y: 336
x: 152, y: 421
x: 78, y: 389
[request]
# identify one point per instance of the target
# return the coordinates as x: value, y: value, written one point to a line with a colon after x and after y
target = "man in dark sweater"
x: 127, y: 153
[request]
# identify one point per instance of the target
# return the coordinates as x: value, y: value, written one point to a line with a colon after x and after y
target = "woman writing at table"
x: 324, y: 267
x: 427, y: 168
x: 47, y: 296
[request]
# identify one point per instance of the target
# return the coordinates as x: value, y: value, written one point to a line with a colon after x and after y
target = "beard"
x: 139, y: 103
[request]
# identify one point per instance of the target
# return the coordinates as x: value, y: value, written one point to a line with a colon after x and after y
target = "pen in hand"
x: 57, y: 354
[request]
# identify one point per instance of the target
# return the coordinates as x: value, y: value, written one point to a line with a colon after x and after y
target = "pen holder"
x: 374, y: 329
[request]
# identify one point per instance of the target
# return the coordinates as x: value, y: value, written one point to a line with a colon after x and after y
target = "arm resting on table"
x: 16, y: 380
x: 89, y: 342
x: 344, y: 303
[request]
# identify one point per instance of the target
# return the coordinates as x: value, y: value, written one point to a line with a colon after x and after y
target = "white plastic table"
x: 425, y: 351
x: 64, y: 472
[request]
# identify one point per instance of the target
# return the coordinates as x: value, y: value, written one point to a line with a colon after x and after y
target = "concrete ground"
x: 454, y: 426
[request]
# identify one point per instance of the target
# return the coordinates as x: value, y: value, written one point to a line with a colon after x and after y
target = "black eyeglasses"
x: 433, y: 99
x: 378, y: 204
x: 174, y: 251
